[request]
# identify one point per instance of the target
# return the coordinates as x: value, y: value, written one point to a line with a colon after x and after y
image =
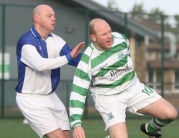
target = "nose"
x: 54, y: 18
x: 109, y: 35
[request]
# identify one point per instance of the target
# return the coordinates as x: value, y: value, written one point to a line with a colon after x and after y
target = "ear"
x: 37, y: 19
x: 93, y: 37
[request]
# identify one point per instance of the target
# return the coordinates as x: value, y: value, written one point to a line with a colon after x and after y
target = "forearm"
x: 77, y: 103
x: 31, y: 58
x: 81, y: 83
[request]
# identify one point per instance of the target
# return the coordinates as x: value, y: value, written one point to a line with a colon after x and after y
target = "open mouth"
x: 53, y: 24
x: 108, y: 42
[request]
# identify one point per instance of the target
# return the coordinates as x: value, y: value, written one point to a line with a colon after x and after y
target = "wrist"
x: 69, y: 57
x: 76, y: 125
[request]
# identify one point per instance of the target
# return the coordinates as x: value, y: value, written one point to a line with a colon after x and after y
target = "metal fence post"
x: 2, y: 67
x: 86, y: 42
x: 162, y: 55
x: 126, y: 24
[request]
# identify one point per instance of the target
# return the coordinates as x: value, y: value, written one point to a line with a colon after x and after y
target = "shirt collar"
x: 36, y: 34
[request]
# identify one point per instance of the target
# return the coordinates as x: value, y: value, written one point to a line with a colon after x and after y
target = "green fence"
x: 154, y: 49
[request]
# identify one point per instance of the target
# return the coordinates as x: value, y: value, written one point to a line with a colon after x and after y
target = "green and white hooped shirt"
x: 105, y: 72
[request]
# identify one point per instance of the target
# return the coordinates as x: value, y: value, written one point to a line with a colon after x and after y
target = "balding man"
x: 40, y: 54
x: 106, y: 68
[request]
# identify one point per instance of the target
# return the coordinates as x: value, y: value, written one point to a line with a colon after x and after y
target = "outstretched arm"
x: 81, y: 83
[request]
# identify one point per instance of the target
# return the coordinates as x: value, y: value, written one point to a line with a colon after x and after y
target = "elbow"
x: 39, y: 67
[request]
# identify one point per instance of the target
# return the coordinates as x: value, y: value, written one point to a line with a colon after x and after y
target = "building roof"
x: 115, y: 19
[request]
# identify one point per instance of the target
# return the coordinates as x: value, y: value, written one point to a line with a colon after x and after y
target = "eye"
x: 104, y: 34
x: 49, y: 15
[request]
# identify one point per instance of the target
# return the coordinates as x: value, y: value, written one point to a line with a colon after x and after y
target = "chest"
x: 48, y: 48
x: 109, y: 61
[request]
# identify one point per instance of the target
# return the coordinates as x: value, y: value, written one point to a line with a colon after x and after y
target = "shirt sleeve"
x: 66, y: 50
x: 81, y: 83
x: 32, y: 58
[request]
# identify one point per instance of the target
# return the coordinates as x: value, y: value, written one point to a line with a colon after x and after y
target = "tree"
x: 113, y: 5
x: 137, y: 11
x: 155, y: 15
x: 151, y: 19
x: 176, y: 17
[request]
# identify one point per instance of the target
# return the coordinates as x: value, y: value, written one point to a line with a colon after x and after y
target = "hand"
x: 78, y: 132
x: 77, y: 49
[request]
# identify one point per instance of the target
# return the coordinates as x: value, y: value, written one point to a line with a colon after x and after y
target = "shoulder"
x: 120, y: 38
x: 88, y: 50
x: 26, y: 35
x: 58, y: 38
x: 119, y: 35
x: 26, y: 38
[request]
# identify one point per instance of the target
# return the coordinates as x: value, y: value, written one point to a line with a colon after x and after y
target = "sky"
x: 169, y: 7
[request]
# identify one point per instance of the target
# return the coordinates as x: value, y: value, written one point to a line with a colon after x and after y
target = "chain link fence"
x: 154, y: 50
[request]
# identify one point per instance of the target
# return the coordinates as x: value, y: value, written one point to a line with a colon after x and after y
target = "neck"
x: 98, y: 47
x: 43, y: 33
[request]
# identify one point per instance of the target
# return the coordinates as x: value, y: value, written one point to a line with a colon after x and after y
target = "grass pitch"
x: 94, y: 128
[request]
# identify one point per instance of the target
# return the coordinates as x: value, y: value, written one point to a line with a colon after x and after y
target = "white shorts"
x: 113, y: 107
x: 45, y: 113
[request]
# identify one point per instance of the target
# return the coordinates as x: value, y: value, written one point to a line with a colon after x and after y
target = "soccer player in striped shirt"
x: 107, y: 70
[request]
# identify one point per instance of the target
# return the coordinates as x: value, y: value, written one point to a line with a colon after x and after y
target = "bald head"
x: 44, y: 20
x: 39, y: 10
x: 94, y: 24
x: 100, y: 34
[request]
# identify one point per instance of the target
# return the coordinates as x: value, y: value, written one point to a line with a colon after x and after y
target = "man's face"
x: 47, y: 19
x: 103, y: 36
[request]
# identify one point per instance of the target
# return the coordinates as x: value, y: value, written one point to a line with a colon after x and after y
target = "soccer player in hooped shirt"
x: 107, y: 70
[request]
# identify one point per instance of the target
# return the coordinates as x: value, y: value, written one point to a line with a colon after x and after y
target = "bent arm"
x: 66, y: 49
x: 33, y: 59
